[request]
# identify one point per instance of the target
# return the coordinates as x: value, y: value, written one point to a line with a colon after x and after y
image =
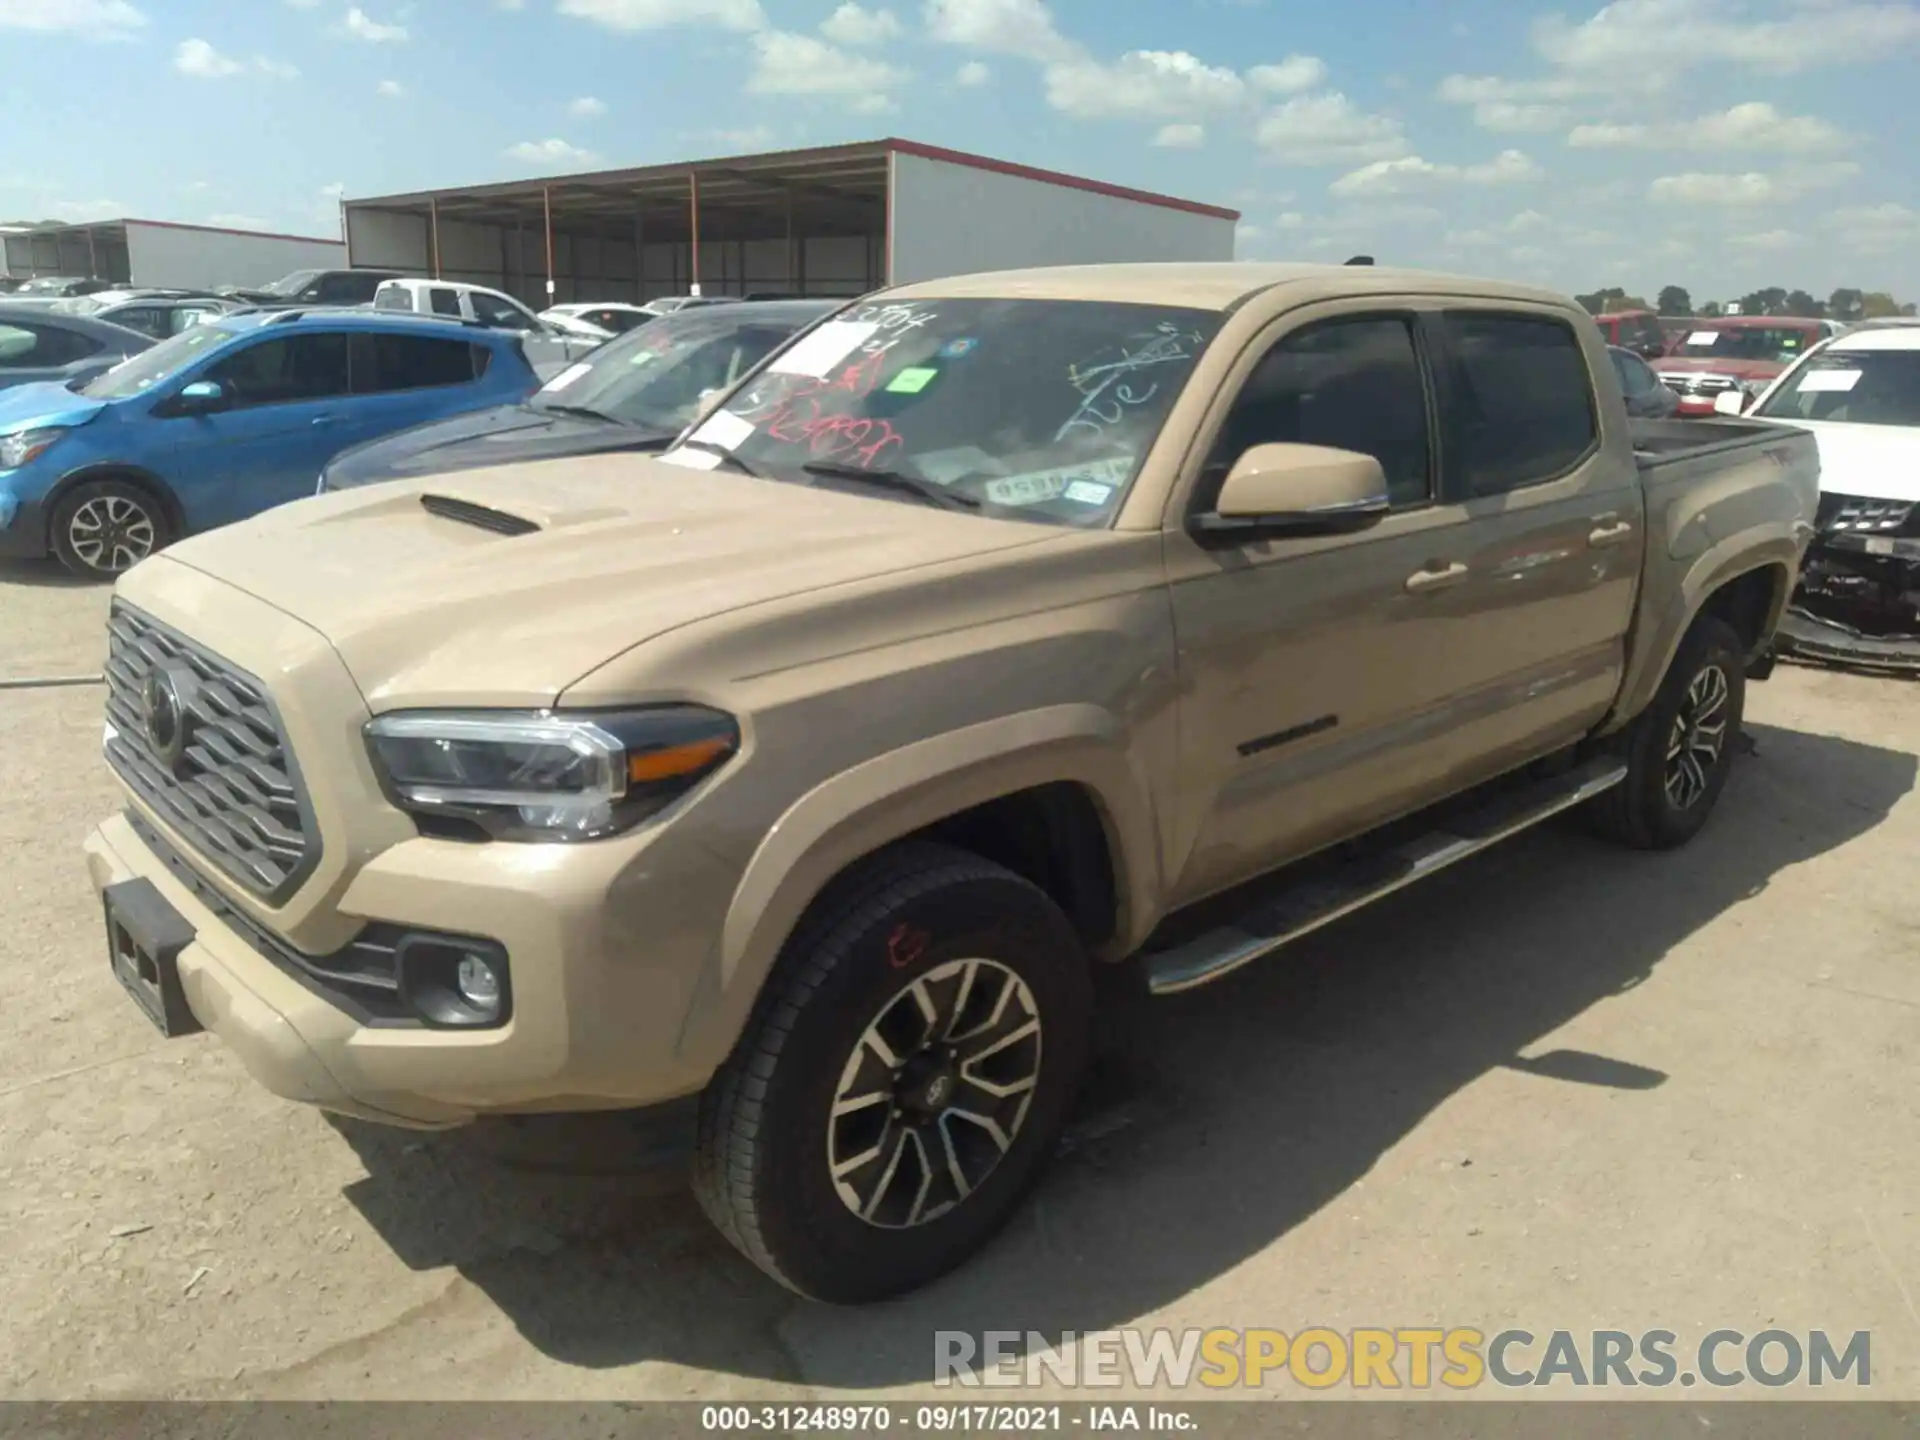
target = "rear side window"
x: 444, y: 302
x: 1351, y: 384
x: 1522, y: 409
x: 393, y: 298
x: 383, y: 363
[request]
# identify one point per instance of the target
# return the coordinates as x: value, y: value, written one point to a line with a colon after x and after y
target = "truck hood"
x: 432, y: 606
x: 1873, y: 462
x: 1707, y: 365
x: 44, y: 403
x: 483, y: 438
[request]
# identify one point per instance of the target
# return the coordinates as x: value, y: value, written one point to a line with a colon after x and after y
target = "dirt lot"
x: 1563, y: 1086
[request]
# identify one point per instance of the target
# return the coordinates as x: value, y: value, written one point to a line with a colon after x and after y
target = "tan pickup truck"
x: 814, y: 767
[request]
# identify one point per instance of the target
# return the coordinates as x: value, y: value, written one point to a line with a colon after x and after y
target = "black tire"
x: 1644, y: 810
x: 103, y: 528
x: 763, y: 1167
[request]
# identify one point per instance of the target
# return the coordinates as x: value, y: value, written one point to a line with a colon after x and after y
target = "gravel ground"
x: 1560, y: 1087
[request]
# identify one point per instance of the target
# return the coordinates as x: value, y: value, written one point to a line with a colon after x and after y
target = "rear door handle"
x: 1437, y: 579
x: 1605, y: 535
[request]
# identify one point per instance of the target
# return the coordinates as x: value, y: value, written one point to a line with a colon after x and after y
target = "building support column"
x: 693, y: 228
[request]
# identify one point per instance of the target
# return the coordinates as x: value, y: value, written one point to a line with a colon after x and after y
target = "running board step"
x: 1306, y: 908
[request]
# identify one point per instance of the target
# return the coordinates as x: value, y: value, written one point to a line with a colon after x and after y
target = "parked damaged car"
x: 1859, y: 596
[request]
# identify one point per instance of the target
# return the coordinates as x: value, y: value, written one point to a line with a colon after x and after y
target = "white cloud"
x: 754, y: 137
x: 1750, y: 187
x: 1180, y: 136
x: 659, y: 14
x: 1006, y: 27
x: 89, y: 19
x: 227, y: 220
x: 1329, y: 129
x: 1410, y: 172
x: 1290, y: 220
x: 80, y: 211
x: 789, y: 64
x: 550, y: 152
x: 200, y: 60
x: 851, y: 25
x: 1512, y: 106
x: 1512, y: 117
x: 1147, y: 83
x: 1290, y: 76
x: 972, y: 74
x: 1875, y: 229
x: 391, y: 89
x: 363, y: 26
x: 586, y: 108
x: 1753, y: 126
x: 1671, y: 36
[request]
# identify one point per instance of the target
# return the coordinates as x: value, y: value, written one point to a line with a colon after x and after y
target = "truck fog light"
x: 453, y: 982
x: 479, y: 986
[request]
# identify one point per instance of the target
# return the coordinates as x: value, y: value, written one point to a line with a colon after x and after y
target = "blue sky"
x: 1717, y: 144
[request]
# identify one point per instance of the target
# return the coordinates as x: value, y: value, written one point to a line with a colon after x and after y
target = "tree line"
x: 1846, y: 303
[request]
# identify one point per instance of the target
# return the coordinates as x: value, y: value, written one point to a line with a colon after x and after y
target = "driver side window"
x: 1349, y: 384
x: 490, y: 311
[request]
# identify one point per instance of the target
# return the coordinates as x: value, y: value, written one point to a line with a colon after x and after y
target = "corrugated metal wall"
x: 951, y: 219
x: 200, y: 259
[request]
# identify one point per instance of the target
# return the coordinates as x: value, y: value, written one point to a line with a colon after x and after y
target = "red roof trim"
x: 217, y: 230
x: 1056, y: 177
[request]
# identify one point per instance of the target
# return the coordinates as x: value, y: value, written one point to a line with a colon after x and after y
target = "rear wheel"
x: 904, y: 1079
x: 1680, y: 748
x: 104, y: 528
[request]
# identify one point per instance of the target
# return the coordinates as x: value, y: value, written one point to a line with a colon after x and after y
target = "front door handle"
x: 1605, y: 535
x: 1438, y: 578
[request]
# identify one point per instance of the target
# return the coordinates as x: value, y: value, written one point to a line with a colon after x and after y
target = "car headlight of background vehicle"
x: 544, y: 776
x: 24, y: 445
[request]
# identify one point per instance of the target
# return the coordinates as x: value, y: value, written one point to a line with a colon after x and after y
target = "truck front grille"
x: 224, y: 779
x: 1852, y: 515
x: 1688, y: 383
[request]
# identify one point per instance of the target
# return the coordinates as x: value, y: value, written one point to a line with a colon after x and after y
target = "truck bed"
x: 1665, y: 442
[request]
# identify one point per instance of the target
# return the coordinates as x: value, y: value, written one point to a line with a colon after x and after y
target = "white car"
x: 1859, y: 600
x: 547, y: 342
x: 605, y: 319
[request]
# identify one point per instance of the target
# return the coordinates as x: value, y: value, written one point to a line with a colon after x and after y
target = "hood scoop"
x: 483, y: 517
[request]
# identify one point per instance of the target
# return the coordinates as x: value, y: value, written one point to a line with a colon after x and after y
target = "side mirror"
x: 202, y: 397
x: 1298, y: 490
x: 1731, y: 402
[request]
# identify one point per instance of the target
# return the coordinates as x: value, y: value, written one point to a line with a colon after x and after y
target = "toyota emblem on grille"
x: 163, y: 710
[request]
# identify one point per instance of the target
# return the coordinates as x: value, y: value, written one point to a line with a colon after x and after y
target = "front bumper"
x: 597, y: 1011
x: 1859, y: 597
x: 1813, y: 637
x: 23, y: 528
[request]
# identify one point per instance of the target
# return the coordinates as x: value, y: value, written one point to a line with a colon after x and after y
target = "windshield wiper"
x: 706, y: 447
x: 896, y: 481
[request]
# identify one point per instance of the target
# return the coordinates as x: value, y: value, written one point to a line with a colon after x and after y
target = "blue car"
x: 225, y: 420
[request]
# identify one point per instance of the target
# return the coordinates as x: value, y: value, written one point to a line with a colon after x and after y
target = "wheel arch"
x: 1014, y: 787
x: 135, y: 475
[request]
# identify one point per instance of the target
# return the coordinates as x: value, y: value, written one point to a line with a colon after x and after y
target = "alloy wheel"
x: 1698, y: 737
x: 111, y: 533
x: 934, y: 1094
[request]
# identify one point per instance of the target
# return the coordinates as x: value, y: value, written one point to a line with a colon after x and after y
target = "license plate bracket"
x: 145, y: 936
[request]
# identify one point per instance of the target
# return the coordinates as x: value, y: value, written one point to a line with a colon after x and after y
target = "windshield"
x: 290, y: 284
x: 1040, y: 409
x: 1859, y: 387
x: 150, y: 367
x: 1780, y: 345
x: 654, y: 377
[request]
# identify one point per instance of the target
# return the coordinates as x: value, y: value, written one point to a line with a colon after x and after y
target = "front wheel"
x: 103, y: 528
x: 904, y: 1079
x: 1680, y: 748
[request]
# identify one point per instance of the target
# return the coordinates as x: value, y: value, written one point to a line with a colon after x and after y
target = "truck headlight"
x: 542, y: 776
x: 24, y: 445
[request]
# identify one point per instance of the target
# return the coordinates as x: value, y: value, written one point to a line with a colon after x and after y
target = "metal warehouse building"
x: 838, y: 220
x: 160, y: 253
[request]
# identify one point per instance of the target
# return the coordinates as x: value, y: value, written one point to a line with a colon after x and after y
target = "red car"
x: 1735, y: 352
x: 1635, y: 330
